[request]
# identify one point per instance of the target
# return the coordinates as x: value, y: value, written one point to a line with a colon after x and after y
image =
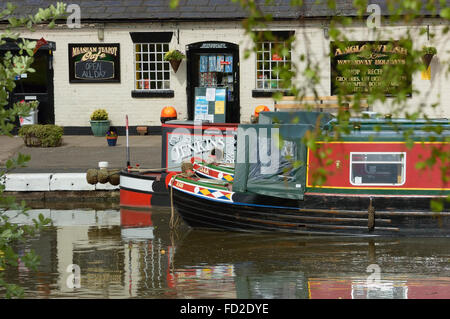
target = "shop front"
x: 38, y: 85
x: 213, y: 82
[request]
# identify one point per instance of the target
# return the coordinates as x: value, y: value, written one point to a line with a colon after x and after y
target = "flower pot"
x: 30, y: 119
x: 100, y: 127
x: 426, y: 59
x: 141, y: 130
x: 175, y: 65
x: 111, y: 140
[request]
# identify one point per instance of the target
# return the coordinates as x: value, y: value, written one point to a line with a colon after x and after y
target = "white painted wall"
x: 310, y: 40
x: 74, y: 102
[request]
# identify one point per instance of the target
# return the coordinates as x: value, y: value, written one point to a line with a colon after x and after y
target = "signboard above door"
x: 94, y: 63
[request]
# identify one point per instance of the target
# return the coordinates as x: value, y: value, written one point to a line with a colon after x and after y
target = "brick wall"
x: 75, y: 102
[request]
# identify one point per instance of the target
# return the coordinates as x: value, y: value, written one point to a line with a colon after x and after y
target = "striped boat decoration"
x: 213, y: 171
x: 214, y: 192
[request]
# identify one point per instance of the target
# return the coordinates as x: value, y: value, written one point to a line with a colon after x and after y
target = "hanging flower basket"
x: 428, y: 54
x: 426, y: 59
x: 174, y: 57
x: 175, y: 65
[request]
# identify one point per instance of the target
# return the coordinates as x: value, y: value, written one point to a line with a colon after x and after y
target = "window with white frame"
x: 151, y: 71
x: 269, y: 64
x: 376, y: 168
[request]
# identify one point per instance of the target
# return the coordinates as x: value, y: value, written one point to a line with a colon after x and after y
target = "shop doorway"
x: 213, y: 64
x: 38, y: 85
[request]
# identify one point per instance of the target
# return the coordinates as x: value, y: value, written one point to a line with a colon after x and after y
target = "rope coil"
x: 371, y: 216
x: 103, y: 176
x: 187, y: 170
x: 173, y: 223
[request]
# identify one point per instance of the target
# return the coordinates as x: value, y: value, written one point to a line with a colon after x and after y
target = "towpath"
x: 79, y: 153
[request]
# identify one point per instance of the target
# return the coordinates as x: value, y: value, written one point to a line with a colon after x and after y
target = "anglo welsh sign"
x: 361, y: 66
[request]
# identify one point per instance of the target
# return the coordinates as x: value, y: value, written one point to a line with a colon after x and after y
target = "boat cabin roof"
x: 271, y: 156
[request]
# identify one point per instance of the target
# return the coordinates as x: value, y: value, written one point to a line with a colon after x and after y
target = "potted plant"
x: 174, y: 57
x: 111, y: 136
x: 30, y: 108
x: 427, y: 56
x: 99, y: 122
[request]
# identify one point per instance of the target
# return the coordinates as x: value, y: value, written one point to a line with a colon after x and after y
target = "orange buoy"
x: 168, y: 113
x: 261, y: 108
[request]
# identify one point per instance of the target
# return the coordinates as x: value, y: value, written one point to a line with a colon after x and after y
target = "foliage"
x: 429, y: 50
x: 403, y: 24
x: 31, y: 105
x: 47, y: 135
x: 174, y: 55
x: 12, y: 65
x: 112, y: 132
x: 99, y: 115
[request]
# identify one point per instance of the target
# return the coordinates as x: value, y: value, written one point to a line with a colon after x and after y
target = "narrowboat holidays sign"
x: 94, y: 63
x: 360, y: 66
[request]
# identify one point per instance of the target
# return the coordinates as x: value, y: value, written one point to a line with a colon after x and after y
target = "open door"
x: 215, y: 65
x: 38, y: 85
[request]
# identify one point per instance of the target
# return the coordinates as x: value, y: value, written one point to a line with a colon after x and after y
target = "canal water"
x: 133, y: 254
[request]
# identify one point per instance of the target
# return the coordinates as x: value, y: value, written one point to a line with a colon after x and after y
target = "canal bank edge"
x: 47, y: 182
x: 57, y: 187
x: 74, y: 199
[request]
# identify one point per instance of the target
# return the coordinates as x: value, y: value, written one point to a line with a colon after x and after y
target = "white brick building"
x: 144, y: 29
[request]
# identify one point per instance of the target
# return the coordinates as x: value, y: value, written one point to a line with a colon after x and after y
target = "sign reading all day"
x: 359, y: 66
x: 94, y: 63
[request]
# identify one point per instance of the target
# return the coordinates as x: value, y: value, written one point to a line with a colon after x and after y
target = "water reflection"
x: 132, y: 254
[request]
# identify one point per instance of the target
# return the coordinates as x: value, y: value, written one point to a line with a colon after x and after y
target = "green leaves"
x: 31, y: 260
x: 445, y: 13
x: 437, y: 205
x: 46, y: 135
x: 173, y: 4
x: 10, y: 67
x: 41, y: 221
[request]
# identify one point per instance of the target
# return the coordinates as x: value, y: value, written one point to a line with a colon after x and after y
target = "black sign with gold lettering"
x: 364, y: 67
x: 94, y: 63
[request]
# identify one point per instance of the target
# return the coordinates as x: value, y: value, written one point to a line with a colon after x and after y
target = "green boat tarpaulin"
x: 271, y: 160
x: 295, y: 117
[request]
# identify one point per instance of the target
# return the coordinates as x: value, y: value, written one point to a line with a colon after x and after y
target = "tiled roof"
x: 193, y: 9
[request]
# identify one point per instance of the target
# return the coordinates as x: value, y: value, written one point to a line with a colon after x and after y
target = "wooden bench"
x: 319, y: 103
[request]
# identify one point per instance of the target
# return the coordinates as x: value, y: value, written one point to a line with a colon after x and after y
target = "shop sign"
x: 94, y: 63
x: 182, y: 147
x: 359, y: 66
x: 213, y: 45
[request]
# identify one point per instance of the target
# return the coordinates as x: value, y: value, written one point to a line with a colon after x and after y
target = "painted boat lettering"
x: 203, y: 169
x: 179, y: 184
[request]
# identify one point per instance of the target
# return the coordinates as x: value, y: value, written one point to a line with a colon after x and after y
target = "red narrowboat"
x: 181, y: 141
x: 377, y: 183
